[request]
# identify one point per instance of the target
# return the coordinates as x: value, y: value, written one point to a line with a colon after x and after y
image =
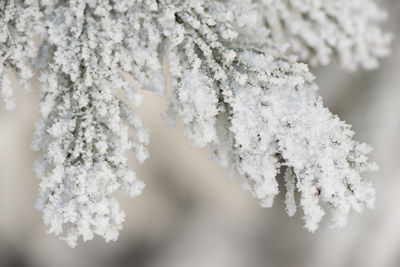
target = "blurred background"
x: 192, y: 214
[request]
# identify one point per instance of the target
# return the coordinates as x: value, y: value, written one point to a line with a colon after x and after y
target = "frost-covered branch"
x: 236, y: 88
x: 259, y: 109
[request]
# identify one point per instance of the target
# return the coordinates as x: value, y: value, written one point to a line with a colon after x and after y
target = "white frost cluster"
x: 84, y: 130
x: 236, y: 88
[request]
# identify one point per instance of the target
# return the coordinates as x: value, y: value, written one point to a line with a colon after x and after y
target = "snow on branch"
x: 259, y: 110
x: 236, y: 88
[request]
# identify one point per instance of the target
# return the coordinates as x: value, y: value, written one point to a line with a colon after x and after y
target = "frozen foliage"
x: 236, y: 88
x: 84, y: 127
